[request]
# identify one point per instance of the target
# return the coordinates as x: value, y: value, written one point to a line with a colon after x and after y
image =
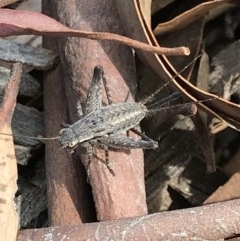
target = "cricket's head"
x: 67, y: 138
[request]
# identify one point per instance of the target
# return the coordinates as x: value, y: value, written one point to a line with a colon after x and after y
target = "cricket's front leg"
x: 89, y: 147
x: 120, y: 142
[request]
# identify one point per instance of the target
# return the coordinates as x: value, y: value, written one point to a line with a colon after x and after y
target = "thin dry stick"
x: 210, y: 222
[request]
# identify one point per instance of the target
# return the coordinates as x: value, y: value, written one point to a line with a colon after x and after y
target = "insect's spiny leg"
x: 90, y: 158
x: 105, y: 148
x: 136, y: 131
x: 94, y: 97
x: 107, y: 160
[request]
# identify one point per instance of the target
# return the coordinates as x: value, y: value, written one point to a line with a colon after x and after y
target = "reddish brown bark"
x: 117, y: 196
x: 69, y: 197
x: 210, y: 222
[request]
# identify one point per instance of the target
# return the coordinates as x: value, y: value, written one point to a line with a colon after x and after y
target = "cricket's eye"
x: 72, y: 144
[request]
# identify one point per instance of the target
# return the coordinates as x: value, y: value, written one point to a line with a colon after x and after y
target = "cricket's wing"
x: 110, y: 119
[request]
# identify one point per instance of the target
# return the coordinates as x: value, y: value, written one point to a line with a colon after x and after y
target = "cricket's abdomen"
x: 109, y: 119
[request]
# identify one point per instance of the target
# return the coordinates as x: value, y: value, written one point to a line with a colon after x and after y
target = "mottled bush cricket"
x: 101, y: 125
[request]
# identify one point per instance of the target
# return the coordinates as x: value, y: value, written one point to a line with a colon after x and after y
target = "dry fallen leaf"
x: 183, y: 20
x: 137, y: 27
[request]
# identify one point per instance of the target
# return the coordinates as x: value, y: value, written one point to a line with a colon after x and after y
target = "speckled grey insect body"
x: 111, y: 119
x: 102, y: 125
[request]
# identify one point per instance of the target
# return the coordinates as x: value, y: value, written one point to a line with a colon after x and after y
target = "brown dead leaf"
x: 137, y: 27
x: 186, y: 18
x: 193, y: 35
x: 16, y: 22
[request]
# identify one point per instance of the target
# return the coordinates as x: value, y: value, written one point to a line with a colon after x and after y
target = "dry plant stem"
x: 132, y: 43
x: 8, y: 163
x: 210, y: 222
x: 68, y: 199
x: 17, y: 23
x: 122, y: 195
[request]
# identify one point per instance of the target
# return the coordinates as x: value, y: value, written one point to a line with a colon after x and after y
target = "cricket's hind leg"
x: 152, y: 144
x: 94, y: 96
x: 120, y: 142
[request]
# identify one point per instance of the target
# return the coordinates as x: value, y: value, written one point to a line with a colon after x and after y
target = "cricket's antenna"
x: 150, y: 98
x: 192, y: 112
x: 162, y: 102
x: 31, y: 137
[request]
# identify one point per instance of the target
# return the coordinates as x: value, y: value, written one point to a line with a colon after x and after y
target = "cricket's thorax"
x: 110, y: 119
